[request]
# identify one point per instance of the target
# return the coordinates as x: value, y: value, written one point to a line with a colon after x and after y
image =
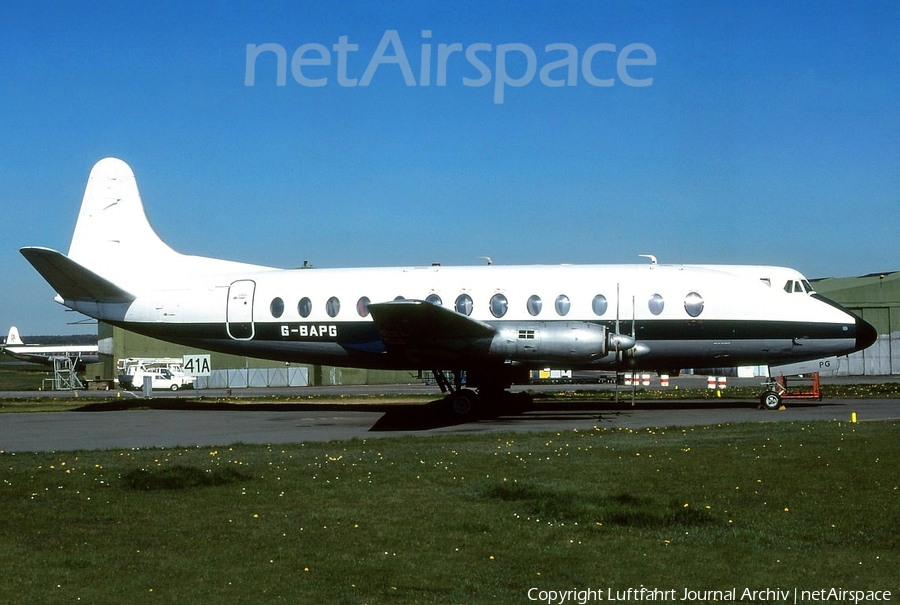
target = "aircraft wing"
x: 428, y: 333
x: 71, y: 280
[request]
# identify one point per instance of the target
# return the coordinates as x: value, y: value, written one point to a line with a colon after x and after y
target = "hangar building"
x: 875, y: 298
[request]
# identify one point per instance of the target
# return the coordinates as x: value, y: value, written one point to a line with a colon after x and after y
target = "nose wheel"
x: 770, y: 400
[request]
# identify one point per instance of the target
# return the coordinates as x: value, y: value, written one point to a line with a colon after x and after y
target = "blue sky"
x: 770, y: 134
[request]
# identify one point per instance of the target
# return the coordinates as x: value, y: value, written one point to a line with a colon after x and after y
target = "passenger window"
x: 464, y: 304
x: 563, y: 304
x: 656, y: 304
x: 362, y: 306
x: 499, y: 305
x: 434, y: 299
x: 534, y: 305
x: 599, y: 304
x: 693, y: 304
x: 333, y: 306
x: 276, y: 308
x: 304, y: 307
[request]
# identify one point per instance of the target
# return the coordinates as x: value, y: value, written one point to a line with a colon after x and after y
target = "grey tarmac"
x: 168, y: 426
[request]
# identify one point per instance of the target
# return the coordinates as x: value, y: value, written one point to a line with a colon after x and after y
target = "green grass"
x: 17, y: 376
x: 457, y: 519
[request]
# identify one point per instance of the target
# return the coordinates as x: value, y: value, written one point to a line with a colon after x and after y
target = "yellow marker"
x: 853, y: 417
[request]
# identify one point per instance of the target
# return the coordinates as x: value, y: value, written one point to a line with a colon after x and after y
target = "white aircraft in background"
x: 79, y: 354
x: 486, y: 325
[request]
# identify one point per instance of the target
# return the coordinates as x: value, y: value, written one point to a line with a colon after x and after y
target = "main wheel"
x: 462, y: 402
x: 770, y: 400
x: 174, y: 387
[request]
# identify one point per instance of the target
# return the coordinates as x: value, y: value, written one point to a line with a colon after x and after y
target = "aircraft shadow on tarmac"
x: 437, y: 414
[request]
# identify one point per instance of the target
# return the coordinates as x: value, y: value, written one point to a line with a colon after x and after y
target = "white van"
x: 167, y: 374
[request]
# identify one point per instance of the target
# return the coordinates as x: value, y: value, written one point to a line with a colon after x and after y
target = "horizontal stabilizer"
x: 72, y: 281
x: 414, y: 325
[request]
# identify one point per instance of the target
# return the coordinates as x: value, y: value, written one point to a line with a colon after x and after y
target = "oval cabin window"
x: 464, y: 304
x: 499, y: 305
x: 656, y: 304
x: 276, y: 308
x: 362, y: 306
x: 693, y: 304
x: 333, y: 306
x: 304, y: 307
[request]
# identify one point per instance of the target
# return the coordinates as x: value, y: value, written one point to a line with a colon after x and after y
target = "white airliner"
x: 487, y: 326
x: 79, y: 354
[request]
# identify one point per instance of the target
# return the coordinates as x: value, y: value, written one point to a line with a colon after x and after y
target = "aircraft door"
x: 239, y: 310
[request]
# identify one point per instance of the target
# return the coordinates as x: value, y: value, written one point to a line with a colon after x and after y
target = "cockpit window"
x: 795, y: 286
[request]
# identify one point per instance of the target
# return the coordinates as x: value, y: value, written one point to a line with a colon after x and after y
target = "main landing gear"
x: 460, y: 401
x: 464, y: 401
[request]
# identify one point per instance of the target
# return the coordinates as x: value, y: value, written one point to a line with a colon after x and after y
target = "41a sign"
x: 196, y: 365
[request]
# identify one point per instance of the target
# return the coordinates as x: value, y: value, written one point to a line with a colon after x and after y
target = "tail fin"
x: 114, y: 249
x: 112, y: 231
x: 13, y: 337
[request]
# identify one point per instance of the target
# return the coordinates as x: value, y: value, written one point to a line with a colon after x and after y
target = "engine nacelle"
x: 565, y: 341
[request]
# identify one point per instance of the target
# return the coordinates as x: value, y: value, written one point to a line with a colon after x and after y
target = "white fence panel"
x: 242, y: 378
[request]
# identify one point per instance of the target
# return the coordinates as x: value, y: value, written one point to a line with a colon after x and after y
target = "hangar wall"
x: 875, y: 298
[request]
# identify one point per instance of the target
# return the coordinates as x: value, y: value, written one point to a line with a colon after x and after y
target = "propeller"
x: 634, y: 338
x: 625, y: 344
x: 615, y: 343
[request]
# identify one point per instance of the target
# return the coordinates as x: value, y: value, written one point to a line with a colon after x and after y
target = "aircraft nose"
x: 865, y: 334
